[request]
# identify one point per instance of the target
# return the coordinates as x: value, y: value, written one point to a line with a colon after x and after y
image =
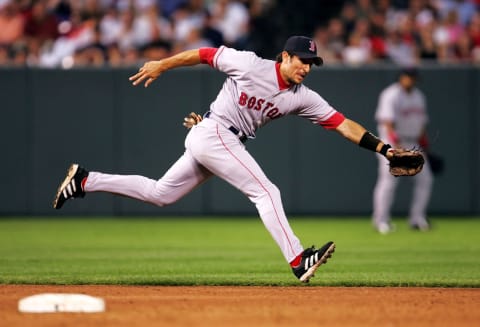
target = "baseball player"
x: 255, y: 92
x: 402, y: 119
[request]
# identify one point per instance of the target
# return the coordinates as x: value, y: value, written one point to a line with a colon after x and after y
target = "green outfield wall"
x: 50, y: 118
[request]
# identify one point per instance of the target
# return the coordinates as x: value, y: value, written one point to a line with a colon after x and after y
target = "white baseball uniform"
x: 407, y: 111
x: 252, y: 95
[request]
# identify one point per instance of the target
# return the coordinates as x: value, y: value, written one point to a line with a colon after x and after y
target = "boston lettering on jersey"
x: 267, y: 108
x: 405, y: 112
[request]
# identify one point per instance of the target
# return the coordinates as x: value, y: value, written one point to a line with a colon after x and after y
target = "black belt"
x: 232, y: 129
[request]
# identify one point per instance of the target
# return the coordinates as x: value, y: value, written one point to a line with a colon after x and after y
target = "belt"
x: 234, y: 130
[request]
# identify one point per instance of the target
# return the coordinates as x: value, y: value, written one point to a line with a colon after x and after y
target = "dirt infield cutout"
x: 252, y: 306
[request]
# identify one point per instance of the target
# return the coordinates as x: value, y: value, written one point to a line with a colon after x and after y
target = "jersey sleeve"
x: 333, y: 121
x: 234, y: 62
x: 207, y: 55
x: 319, y: 111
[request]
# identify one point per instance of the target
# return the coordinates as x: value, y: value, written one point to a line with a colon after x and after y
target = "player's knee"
x: 274, y: 191
x: 268, y: 191
x: 155, y: 199
x: 160, y: 195
x: 163, y: 199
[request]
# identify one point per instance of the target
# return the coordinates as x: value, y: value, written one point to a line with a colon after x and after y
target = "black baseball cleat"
x: 71, y: 186
x: 311, y: 260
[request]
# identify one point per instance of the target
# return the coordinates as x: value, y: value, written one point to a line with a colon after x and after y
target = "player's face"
x: 294, y: 70
x: 407, y: 82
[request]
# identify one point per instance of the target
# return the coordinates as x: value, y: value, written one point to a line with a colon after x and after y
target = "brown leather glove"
x: 406, y: 162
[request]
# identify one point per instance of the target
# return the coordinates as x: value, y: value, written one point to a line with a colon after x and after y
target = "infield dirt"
x: 252, y: 306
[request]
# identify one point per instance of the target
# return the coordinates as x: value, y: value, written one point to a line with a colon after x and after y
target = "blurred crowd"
x: 403, y: 32
x: 74, y: 33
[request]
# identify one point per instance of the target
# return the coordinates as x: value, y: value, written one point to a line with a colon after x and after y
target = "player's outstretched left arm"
x: 402, y: 162
x: 152, y: 69
x: 356, y: 133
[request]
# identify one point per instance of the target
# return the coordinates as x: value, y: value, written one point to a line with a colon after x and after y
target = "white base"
x: 55, y: 302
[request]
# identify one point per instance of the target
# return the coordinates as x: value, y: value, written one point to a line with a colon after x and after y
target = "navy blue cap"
x: 303, y: 47
x: 409, y: 71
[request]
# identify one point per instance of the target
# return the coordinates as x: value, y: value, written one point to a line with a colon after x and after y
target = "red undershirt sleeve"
x: 207, y: 54
x: 333, y: 122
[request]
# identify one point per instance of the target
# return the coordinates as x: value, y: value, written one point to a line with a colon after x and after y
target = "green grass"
x: 216, y: 251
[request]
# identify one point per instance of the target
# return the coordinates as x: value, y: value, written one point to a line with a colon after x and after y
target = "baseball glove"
x: 406, y: 162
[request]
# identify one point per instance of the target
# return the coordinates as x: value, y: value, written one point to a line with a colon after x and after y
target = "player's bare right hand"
x: 148, y: 73
x: 191, y: 120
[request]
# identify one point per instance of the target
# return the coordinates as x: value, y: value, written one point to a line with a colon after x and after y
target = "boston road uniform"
x: 407, y: 111
x: 252, y: 95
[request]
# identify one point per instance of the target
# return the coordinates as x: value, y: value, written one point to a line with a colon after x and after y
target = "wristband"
x: 384, y: 149
x: 369, y: 141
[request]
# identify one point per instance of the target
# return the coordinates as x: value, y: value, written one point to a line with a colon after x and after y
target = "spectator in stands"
x: 111, y: 25
x: 321, y: 38
x: 41, y: 24
x: 94, y: 53
x: 356, y: 52
x: 463, y: 49
x: 114, y: 55
x: 196, y: 40
x: 363, y: 9
x: 187, y: 18
x: 4, y: 56
x: 168, y: 7
x: 453, y: 26
x: 11, y: 23
x: 464, y: 9
x: 358, y: 49
x: 406, y: 29
x: 19, y: 54
x: 427, y: 47
x: 91, y: 9
x: 401, y: 47
x: 213, y: 35
x: 149, y: 26
x: 155, y: 50
x: 400, y: 52
x: 231, y: 18
x: 126, y: 36
x: 348, y: 15
x: 474, y: 34
x: 378, y: 35
x: 337, y: 37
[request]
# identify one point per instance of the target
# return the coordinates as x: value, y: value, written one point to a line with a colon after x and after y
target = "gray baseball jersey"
x: 254, y: 94
x: 406, y: 110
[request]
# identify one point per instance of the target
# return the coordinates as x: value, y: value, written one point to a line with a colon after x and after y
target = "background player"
x: 402, y: 119
x: 255, y: 92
